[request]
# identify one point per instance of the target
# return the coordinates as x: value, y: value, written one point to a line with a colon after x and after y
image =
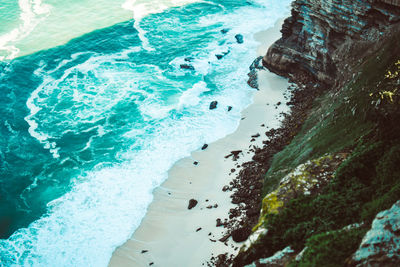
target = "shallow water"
x: 89, y: 128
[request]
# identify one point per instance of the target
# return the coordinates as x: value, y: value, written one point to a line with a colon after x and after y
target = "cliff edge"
x: 327, y: 187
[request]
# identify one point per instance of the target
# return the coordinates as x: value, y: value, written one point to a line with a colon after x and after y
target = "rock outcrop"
x: 324, y: 36
x: 381, y: 245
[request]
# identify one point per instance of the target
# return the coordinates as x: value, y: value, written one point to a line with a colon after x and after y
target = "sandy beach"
x: 172, y: 235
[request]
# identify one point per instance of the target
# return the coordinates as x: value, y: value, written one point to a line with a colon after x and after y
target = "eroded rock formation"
x: 324, y: 36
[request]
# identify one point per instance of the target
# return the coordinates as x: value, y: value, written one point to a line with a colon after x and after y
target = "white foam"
x: 143, y: 8
x: 191, y: 97
x: 106, y: 204
x: 32, y: 13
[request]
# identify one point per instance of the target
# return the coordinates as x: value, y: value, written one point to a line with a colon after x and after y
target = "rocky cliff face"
x: 351, y: 49
x: 324, y: 36
x: 381, y: 245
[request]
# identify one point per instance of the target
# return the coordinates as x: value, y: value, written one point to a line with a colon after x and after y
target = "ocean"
x: 98, y: 100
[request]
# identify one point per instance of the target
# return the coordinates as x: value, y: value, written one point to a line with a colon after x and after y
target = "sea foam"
x: 102, y: 95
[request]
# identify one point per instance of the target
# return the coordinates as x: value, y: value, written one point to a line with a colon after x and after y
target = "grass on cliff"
x: 338, y: 119
x: 364, y: 116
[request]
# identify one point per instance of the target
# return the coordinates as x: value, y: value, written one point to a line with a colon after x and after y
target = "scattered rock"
x: 192, y: 203
x: 225, y: 237
x: 188, y: 59
x: 144, y: 251
x: 204, y: 147
x: 229, y: 108
x: 225, y: 188
x: 253, y: 76
x: 233, y: 170
x: 219, y: 222
x: 151, y: 263
x: 256, y: 135
x: 209, y: 207
x: 239, y: 38
x: 187, y: 67
x: 215, y: 206
x: 213, y: 105
x: 198, y: 229
x: 224, y: 31
x: 220, y: 56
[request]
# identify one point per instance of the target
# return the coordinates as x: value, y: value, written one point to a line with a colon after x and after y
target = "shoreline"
x: 172, y: 235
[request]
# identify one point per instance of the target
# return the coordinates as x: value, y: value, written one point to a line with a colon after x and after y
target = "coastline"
x: 172, y: 235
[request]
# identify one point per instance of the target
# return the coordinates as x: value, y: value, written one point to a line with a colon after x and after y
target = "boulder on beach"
x: 192, y: 203
x: 241, y: 234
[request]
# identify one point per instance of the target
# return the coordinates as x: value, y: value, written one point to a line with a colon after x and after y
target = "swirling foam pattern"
x: 88, y: 129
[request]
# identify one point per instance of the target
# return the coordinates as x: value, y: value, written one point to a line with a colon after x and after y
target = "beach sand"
x: 172, y: 235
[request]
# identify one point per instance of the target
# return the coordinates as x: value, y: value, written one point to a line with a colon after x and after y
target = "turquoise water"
x: 89, y: 128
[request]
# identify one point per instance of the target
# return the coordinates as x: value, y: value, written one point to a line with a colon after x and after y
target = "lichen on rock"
x: 308, y: 178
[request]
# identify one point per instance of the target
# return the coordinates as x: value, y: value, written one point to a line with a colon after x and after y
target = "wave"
x: 126, y: 118
x: 32, y: 13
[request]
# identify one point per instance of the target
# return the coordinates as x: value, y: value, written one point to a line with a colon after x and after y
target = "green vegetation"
x: 362, y: 117
x: 320, y: 246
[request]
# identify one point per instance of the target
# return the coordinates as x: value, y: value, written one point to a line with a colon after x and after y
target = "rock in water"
x: 192, y: 203
x: 187, y: 67
x: 253, y: 77
x: 219, y: 56
x: 239, y: 38
x: 204, y: 146
x: 229, y: 108
x: 213, y: 105
x: 224, y: 31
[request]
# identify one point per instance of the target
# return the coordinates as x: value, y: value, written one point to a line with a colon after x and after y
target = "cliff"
x: 338, y: 168
x: 325, y: 39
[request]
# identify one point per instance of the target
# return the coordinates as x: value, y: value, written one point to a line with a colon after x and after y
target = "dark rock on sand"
x: 192, y: 203
x: 241, y: 234
x: 225, y: 237
x: 213, y: 105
